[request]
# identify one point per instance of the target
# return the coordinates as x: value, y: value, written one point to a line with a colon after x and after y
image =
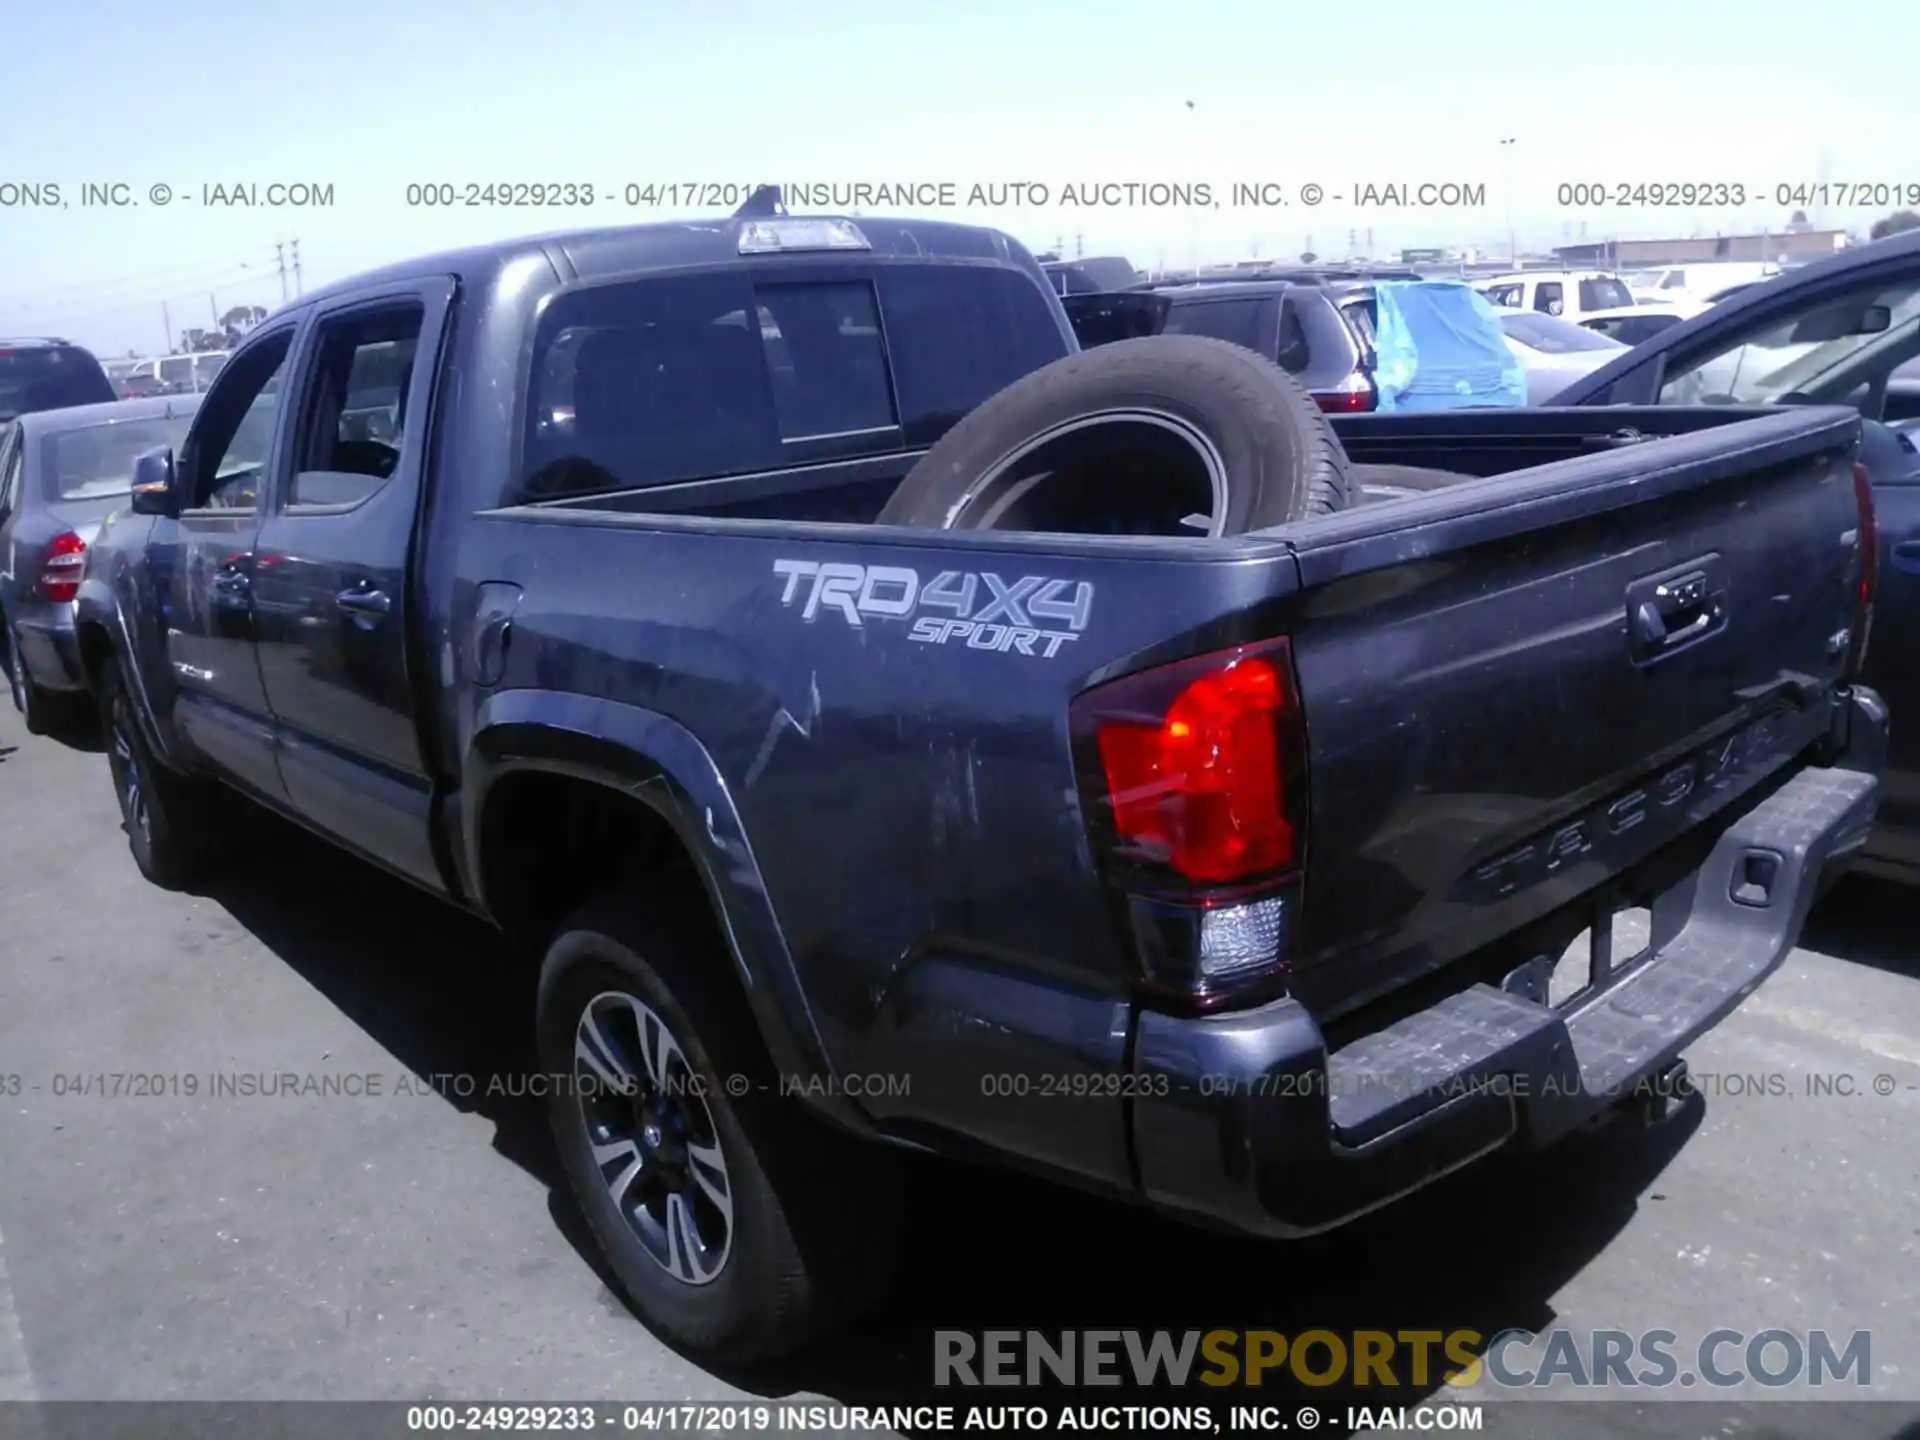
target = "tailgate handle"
x: 1676, y: 607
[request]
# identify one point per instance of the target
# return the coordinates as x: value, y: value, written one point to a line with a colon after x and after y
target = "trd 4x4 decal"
x: 1033, y: 615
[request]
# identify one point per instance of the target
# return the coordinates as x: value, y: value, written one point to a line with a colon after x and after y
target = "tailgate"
x: 1497, y: 724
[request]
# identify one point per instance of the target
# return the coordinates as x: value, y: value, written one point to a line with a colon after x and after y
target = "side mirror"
x: 1874, y: 320
x: 154, y: 481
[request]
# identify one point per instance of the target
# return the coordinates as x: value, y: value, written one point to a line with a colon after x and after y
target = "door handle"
x: 1666, y: 612
x: 365, y: 606
x: 1906, y: 557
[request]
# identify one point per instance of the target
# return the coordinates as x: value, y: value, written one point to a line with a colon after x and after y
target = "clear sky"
x: 370, y: 96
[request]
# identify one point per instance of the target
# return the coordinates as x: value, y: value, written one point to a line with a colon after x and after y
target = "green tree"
x: 1895, y: 223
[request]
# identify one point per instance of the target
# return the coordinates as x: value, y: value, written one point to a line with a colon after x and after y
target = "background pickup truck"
x: 1225, y: 874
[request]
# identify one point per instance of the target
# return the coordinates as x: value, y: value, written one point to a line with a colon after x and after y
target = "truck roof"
x: 662, y: 245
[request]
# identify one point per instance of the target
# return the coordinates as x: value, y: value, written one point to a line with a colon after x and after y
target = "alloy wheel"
x: 653, y: 1138
x: 126, y: 773
x: 17, y: 676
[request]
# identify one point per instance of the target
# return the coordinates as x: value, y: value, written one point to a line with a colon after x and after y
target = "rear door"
x: 331, y: 573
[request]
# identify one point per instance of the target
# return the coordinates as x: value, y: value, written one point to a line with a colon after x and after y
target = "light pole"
x: 1193, y: 215
x: 1513, y: 245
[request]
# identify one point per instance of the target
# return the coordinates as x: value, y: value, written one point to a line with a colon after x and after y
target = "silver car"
x: 1554, y: 352
x: 62, y: 473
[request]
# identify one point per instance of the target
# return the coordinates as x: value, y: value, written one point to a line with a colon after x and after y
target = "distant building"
x: 1773, y: 247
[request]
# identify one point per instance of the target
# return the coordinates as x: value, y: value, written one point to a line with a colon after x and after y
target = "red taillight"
x: 1201, y: 786
x: 1351, y: 396
x: 60, y: 572
x: 1194, y: 781
x: 1869, y: 581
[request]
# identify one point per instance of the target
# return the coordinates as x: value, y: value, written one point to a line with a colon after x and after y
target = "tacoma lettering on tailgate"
x: 1755, y: 748
x: 1033, y: 615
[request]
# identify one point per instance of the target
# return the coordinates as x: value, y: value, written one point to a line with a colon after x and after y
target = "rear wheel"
x: 170, y: 819
x: 738, y: 1227
x: 42, y: 711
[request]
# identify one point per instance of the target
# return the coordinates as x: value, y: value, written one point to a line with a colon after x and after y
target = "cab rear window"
x: 660, y: 381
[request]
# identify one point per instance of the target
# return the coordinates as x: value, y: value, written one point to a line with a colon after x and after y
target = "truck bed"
x: 1489, y: 753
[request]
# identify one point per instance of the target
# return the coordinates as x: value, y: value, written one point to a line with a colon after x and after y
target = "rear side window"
x: 1548, y: 299
x: 1292, y: 350
x: 1360, y: 319
x: 648, y: 383
x: 1235, y: 320
x: 1604, y: 293
x: 50, y: 377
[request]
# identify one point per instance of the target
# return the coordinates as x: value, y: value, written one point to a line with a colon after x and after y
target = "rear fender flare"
x: 658, y: 761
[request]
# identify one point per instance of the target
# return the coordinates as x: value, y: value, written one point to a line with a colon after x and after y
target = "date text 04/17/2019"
x: 1635, y: 194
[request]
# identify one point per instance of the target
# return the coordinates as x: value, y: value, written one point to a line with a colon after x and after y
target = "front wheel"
x: 167, y: 816
x: 738, y: 1228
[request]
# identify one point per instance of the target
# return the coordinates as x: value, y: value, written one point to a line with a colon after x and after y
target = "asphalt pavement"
x: 396, y: 1238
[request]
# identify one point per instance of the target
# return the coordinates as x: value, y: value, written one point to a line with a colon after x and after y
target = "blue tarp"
x: 1439, y: 346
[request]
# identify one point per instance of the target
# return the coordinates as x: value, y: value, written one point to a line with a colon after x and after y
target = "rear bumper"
x: 49, y: 645
x: 1246, y: 1120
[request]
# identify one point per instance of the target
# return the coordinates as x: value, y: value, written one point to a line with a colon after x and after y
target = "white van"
x: 1699, y: 283
x: 168, y: 374
x: 1570, y: 294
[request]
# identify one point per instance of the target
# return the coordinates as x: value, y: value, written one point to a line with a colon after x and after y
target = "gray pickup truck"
x: 1222, y: 872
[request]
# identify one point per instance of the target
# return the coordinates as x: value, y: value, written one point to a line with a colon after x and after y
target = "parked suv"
x: 45, y: 373
x: 1317, y: 325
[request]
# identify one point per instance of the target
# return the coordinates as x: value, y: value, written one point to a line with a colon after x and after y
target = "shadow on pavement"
x: 1482, y: 1251
x: 1869, y: 921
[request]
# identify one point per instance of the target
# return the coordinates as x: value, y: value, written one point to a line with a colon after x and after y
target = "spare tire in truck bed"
x: 1168, y: 434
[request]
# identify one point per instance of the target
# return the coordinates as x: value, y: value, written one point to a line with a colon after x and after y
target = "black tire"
x: 814, y: 1214
x: 42, y: 711
x: 1133, y: 436
x: 172, y: 820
